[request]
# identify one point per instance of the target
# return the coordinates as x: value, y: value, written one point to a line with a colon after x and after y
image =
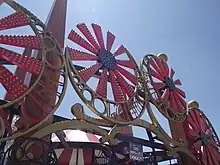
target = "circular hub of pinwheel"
x: 202, y: 138
x: 110, y: 78
x: 164, y: 89
x: 29, y: 55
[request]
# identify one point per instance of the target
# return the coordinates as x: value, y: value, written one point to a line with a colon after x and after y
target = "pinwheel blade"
x: 21, y: 41
x: 88, y: 72
x: 27, y: 63
x: 198, y: 145
x: 110, y: 40
x: 204, y: 155
x: 132, y: 78
x: 116, y: 89
x: 193, y: 134
x: 120, y: 50
x: 159, y: 85
x: 181, y: 92
x: 159, y: 64
x: 156, y: 75
x: 85, y: 31
x: 98, y: 33
x: 125, y: 86
x: 166, y: 95
x: 11, y: 83
x: 156, y: 67
x: 126, y: 63
x: 177, y: 82
x: 194, y: 115
x: 171, y: 73
x: 166, y: 68
x: 173, y: 102
x: 14, y: 20
x: 77, y: 55
x: 73, y: 36
x: 102, y: 84
x: 202, y: 124
x: 213, y: 154
x: 180, y: 99
x: 193, y: 125
x: 213, y: 145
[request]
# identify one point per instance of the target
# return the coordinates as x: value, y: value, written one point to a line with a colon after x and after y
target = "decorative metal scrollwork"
x: 103, y: 157
x: 22, y: 152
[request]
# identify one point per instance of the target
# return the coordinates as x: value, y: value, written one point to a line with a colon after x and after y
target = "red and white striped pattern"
x: 68, y: 156
x: 72, y: 157
x: 75, y: 156
x: 77, y: 136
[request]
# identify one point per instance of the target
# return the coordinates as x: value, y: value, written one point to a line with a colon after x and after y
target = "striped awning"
x: 72, y: 156
x: 78, y: 156
x: 75, y: 136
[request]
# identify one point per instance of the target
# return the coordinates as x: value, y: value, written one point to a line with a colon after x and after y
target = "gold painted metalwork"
x: 77, y: 111
x: 69, y: 124
x: 163, y: 57
x: 134, y: 104
x: 193, y: 104
x: 172, y: 146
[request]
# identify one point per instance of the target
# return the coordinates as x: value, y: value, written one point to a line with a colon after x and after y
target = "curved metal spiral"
x: 21, y: 153
x: 35, y: 93
x: 119, y: 77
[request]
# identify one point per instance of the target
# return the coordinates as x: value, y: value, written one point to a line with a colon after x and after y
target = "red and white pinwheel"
x: 166, y: 87
x: 202, y: 138
x: 12, y: 84
x: 15, y: 87
x: 115, y: 76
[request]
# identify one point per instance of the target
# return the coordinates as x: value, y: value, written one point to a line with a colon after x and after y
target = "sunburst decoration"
x: 120, y: 74
x: 164, y: 87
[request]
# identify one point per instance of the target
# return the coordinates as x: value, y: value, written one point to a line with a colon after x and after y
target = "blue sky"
x: 187, y: 31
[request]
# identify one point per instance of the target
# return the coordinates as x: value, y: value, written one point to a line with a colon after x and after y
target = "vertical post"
x: 55, y: 23
x: 177, y: 132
